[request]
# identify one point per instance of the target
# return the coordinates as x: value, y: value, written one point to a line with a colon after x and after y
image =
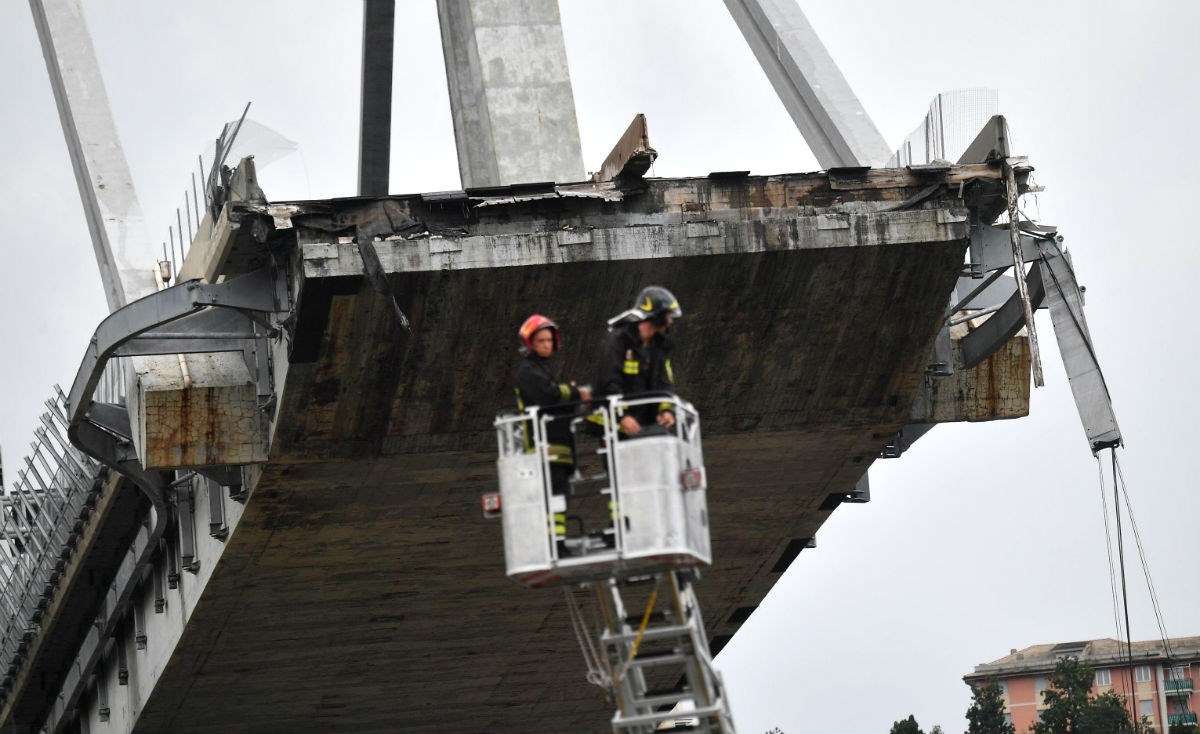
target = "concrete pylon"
x: 809, y: 83
x: 124, y: 252
x: 510, y: 92
x: 375, y: 102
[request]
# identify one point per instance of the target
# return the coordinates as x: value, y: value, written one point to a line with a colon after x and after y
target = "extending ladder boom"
x: 661, y: 659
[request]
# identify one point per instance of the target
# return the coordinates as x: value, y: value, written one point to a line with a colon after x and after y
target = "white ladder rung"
x: 651, y: 633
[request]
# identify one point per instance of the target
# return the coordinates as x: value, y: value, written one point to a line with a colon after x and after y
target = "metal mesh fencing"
x: 41, y: 513
x: 953, y: 121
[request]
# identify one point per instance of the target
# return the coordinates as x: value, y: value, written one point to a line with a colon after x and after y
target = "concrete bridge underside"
x: 362, y: 591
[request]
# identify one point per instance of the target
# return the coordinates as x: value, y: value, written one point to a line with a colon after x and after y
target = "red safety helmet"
x: 533, y: 325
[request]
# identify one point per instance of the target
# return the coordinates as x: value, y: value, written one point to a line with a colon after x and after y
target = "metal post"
x: 185, y: 511
x: 102, y: 692
x: 122, y: 658
x: 375, y: 102
x: 216, y: 510
x: 1010, y: 184
x: 139, y: 625
x: 159, y: 570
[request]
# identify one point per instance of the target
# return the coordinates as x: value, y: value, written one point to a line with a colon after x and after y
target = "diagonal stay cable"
x: 1112, y: 571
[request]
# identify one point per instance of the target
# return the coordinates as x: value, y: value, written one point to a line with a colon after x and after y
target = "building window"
x: 1104, y: 677
x: 1003, y: 684
x: 1146, y: 708
x: 1142, y: 674
x: 1008, y: 719
x: 1179, y: 672
x: 1040, y: 686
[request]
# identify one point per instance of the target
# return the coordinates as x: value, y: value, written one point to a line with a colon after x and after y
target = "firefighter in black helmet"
x: 636, y: 358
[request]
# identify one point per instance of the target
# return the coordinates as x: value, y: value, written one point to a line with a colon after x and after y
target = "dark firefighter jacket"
x: 537, y: 385
x: 629, y: 367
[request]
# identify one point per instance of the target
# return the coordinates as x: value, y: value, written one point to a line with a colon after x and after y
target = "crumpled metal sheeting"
x: 374, y: 218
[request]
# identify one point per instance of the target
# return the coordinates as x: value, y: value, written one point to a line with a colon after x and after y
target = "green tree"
x: 906, y: 726
x: 1067, y: 698
x: 1109, y: 713
x: 1071, y: 709
x: 986, y: 714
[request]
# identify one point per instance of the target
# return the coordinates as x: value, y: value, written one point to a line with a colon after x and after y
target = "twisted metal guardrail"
x: 42, y: 516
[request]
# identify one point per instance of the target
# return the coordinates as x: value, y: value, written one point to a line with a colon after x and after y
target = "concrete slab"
x: 359, y: 589
x: 362, y: 591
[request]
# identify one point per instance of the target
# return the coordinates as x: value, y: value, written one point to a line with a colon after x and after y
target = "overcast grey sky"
x: 983, y: 537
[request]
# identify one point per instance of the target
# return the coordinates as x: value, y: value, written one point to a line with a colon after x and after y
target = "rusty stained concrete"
x: 215, y: 421
x: 996, y: 388
x: 362, y: 591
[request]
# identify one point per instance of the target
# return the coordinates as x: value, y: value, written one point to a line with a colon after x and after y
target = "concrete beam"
x: 510, y: 92
x: 632, y: 156
x: 653, y: 236
x: 213, y: 420
x: 208, y: 416
x: 124, y: 252
x: 809, y: 83
x: 995, y: 388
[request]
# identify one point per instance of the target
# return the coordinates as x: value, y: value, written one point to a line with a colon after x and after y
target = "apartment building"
x: 1163, y: 686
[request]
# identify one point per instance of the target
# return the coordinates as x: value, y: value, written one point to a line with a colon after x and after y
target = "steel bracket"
x: 902, y: 441
x: 991, y: 249
x: 239, y: 315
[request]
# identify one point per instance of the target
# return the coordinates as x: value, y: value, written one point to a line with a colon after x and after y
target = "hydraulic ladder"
x: 649, y: 498
x: 665, y: 645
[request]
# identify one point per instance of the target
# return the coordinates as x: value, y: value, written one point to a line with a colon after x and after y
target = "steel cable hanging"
x: 1124, y: 589
x: 1137, y: 537
x: 598, y: 673
x: 1158, y: 615
x: 1120, y: 489
x: 1112, y: 571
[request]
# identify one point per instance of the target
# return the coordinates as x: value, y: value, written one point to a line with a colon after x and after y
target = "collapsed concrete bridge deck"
x: 358, y: 588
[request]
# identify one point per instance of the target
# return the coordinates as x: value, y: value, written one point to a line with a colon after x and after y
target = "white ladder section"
x: 659, y: 658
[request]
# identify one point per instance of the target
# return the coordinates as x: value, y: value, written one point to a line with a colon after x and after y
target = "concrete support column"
x: 375, y: 105
x: 510, y: 92
x: 809, y: 83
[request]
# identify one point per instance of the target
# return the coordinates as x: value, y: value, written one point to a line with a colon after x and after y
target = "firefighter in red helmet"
x: 537, y: 384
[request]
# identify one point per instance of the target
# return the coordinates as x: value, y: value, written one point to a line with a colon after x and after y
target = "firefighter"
x: 636, y: 358
x: 537, y: 384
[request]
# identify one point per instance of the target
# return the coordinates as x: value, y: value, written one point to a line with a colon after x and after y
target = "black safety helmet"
x: 653, y: 304
x: 656, y: 303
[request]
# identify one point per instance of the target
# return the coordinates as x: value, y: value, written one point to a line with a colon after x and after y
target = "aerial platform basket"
x: 656, y: 517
